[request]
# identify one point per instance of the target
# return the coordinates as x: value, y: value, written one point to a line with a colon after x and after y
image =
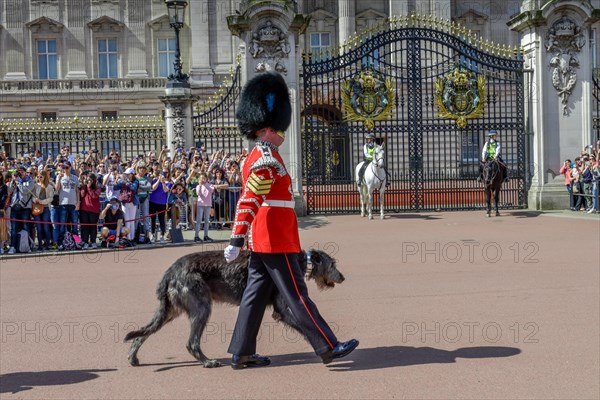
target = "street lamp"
x: 176, y: 10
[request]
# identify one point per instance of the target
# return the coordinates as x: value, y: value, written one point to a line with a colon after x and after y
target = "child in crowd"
x: 204, y: 190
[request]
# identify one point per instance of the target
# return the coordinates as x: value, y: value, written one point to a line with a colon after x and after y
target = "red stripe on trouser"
x: 304, y: 304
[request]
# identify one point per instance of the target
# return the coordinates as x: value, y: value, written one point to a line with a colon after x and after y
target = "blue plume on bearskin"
x: 265, y: 102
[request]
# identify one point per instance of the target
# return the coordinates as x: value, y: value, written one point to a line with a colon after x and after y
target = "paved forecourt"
x: 445, y: 305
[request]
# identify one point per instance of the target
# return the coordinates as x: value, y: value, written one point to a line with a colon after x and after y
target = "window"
x: 166, y: 57
x: 371, y: 60
x: 319, y: 44
x: 470, y: 148
x: 47, y: 59
x: 108, y: 115
x: 48, y: 116
x: 470, y: 153
x: 107, y: 58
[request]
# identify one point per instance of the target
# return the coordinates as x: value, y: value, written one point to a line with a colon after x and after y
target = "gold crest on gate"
x: 367, y: 97
x: 460, y: 95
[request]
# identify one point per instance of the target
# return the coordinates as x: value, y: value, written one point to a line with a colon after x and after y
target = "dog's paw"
x: 133, y: 361
x: 211, y: 364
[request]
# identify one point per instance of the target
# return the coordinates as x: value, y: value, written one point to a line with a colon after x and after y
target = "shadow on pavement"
x: 312, y: 222
x: 20, y: 381
x: 169, y: 366
x: 398, y: 356
x: 429, y: 217
x: 402, y: 356
x: 524, y: 214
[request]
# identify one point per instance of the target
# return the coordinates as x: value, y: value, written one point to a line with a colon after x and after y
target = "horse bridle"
x: 497, y: 170
x: 375, y: 161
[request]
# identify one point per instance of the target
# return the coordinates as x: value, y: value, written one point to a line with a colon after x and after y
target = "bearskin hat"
x: 265, y: 102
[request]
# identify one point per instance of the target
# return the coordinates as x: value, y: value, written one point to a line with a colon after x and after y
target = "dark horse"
x: 492, y: 183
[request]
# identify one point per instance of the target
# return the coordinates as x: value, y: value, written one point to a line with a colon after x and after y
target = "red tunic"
x: 272, y: 228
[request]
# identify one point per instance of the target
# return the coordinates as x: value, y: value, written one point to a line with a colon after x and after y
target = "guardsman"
x: 265, y: 221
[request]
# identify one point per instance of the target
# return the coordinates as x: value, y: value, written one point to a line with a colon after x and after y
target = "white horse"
x: 374, y: 178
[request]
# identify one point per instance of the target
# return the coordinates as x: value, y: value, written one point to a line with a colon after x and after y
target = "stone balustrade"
x: 81, y: 85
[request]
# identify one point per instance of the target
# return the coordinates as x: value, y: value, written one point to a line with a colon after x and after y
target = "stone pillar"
x: 75, y: 42
x: 559, y: 98
x: 347, y: 19
x: 178, y: 115
x: 15, y: 56
x: 201, y: 73
x: 398, y: 8
x: 269, y: 33
x: 136, y: 38
x: 178, y: 122
x: 441, y: 9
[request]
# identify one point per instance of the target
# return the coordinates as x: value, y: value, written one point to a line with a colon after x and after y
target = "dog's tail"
x: 161, y: 316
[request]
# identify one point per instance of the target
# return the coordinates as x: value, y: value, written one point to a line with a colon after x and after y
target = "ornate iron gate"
x: 430, y: 91
x: 215, y: 127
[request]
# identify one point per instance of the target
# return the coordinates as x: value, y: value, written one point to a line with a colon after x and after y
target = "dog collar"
x: 309, y: 265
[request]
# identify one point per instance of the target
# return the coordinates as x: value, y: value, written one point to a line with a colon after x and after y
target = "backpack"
x: 68, y: 242
x: 141, y: 236
x: 124, y: 242
x: 25, y: 242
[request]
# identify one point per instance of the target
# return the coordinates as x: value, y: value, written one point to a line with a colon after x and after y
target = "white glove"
x: 231, y: 253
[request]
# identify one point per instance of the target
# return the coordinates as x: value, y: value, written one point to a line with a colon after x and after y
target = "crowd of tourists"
x: 90, y: 199
x: 582, y: 176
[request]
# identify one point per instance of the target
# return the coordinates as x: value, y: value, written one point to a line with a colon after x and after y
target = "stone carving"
x: 564, y: 41
x: 178, y: 124
x: 269, y: 43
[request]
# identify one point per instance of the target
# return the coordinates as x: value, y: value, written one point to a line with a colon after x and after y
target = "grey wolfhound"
x: 194, y: 281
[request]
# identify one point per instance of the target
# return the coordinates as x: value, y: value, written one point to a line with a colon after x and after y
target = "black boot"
x: 340, y: 350
x: 255, y: 360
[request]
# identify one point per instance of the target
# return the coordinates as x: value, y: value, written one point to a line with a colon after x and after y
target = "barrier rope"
x: 78, y: 224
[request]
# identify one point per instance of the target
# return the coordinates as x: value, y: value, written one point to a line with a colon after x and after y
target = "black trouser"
x: 153, y: 209
x: 88, y: 232
x: 267, y: 271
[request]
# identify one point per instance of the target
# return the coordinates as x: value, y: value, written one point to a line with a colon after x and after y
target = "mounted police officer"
x: 368, y: 151
x: 265, y: 221
x: 491, y: 151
